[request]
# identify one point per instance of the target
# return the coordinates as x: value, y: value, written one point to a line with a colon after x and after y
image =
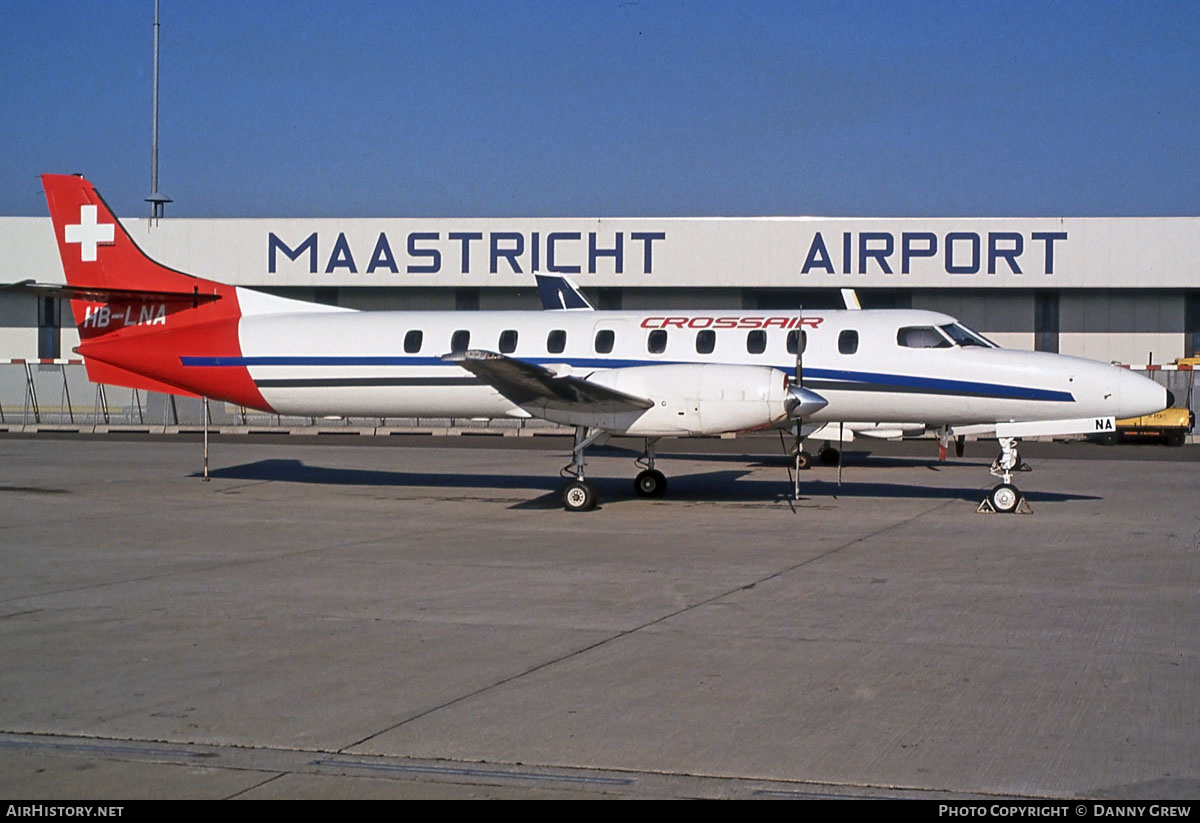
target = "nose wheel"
x: 1005, y: 498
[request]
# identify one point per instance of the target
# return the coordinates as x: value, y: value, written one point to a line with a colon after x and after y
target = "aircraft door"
x: 610, y: 339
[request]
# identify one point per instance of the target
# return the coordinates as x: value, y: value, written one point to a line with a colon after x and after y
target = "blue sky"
x: 626, y: 108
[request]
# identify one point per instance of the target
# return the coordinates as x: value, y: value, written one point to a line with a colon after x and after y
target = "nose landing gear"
x: 1006, y: 498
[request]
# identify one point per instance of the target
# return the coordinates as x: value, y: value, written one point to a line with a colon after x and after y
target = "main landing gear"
x: 1005, y: 497
x: 650, y: 482
x: 578, y: 495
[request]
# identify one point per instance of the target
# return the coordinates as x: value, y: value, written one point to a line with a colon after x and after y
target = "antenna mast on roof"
x: 156, y: 199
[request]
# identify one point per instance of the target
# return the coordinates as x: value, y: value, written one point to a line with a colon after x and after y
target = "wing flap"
x: 536, y: 388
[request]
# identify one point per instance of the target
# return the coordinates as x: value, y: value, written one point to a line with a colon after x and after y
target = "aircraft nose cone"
x: 1140, y: 395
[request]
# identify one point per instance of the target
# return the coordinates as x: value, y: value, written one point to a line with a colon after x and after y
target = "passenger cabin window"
x: 604, y: 341
x: 922, y: 337
x: 797, y: 341
x: 848, y: 341
x: 706, y: 341
x: 756, y: 341
x: 556, y: 341
x: 656, y: 343
x: 412, y: 341
x: 460, y: 340
x: 508, y: 341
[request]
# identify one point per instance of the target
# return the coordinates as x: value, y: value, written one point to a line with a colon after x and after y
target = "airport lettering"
x: 960, y: 252
x: 503, y: 252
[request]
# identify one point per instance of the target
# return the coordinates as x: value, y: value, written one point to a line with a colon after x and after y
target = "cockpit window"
x: 922, y: 337
x: 965, y: 337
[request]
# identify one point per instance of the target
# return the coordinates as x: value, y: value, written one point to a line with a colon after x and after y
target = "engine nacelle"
x: 697, y: 398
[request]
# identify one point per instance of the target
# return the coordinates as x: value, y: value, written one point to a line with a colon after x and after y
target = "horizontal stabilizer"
x: 535, y: 388
x: 98, y: 294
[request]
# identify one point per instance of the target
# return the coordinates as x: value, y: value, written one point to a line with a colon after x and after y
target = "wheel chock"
x: 1023, y: 507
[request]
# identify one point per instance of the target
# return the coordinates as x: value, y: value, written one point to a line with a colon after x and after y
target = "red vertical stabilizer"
x: 137, y: 317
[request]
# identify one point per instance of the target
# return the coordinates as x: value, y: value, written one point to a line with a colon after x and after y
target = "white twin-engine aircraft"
x: 647, y: 374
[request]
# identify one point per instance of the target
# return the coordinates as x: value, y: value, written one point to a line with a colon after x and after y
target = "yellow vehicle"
x: 1171, y: 424
x: 1193, y: 361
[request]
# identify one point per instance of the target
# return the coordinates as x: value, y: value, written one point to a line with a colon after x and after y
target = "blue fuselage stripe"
x: 853, y: 379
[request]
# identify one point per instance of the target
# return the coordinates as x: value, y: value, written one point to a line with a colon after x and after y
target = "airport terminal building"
x: 1111, y: 289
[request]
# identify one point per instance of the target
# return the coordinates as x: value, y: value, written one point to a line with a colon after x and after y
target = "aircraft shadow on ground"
x: 724, y: 486
x: 850, y: 459
x: 294, y: 471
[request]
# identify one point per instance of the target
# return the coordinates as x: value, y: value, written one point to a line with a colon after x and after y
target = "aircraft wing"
x: 535, y: 388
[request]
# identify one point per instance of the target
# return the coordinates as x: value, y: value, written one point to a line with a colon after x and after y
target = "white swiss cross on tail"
x: 88, y: 233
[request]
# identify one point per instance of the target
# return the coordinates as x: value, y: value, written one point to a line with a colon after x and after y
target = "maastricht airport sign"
x: 782, y: 252
x: 561, y: 252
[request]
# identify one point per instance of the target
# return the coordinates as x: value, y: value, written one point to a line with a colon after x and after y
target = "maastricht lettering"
x: 426, y: 252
